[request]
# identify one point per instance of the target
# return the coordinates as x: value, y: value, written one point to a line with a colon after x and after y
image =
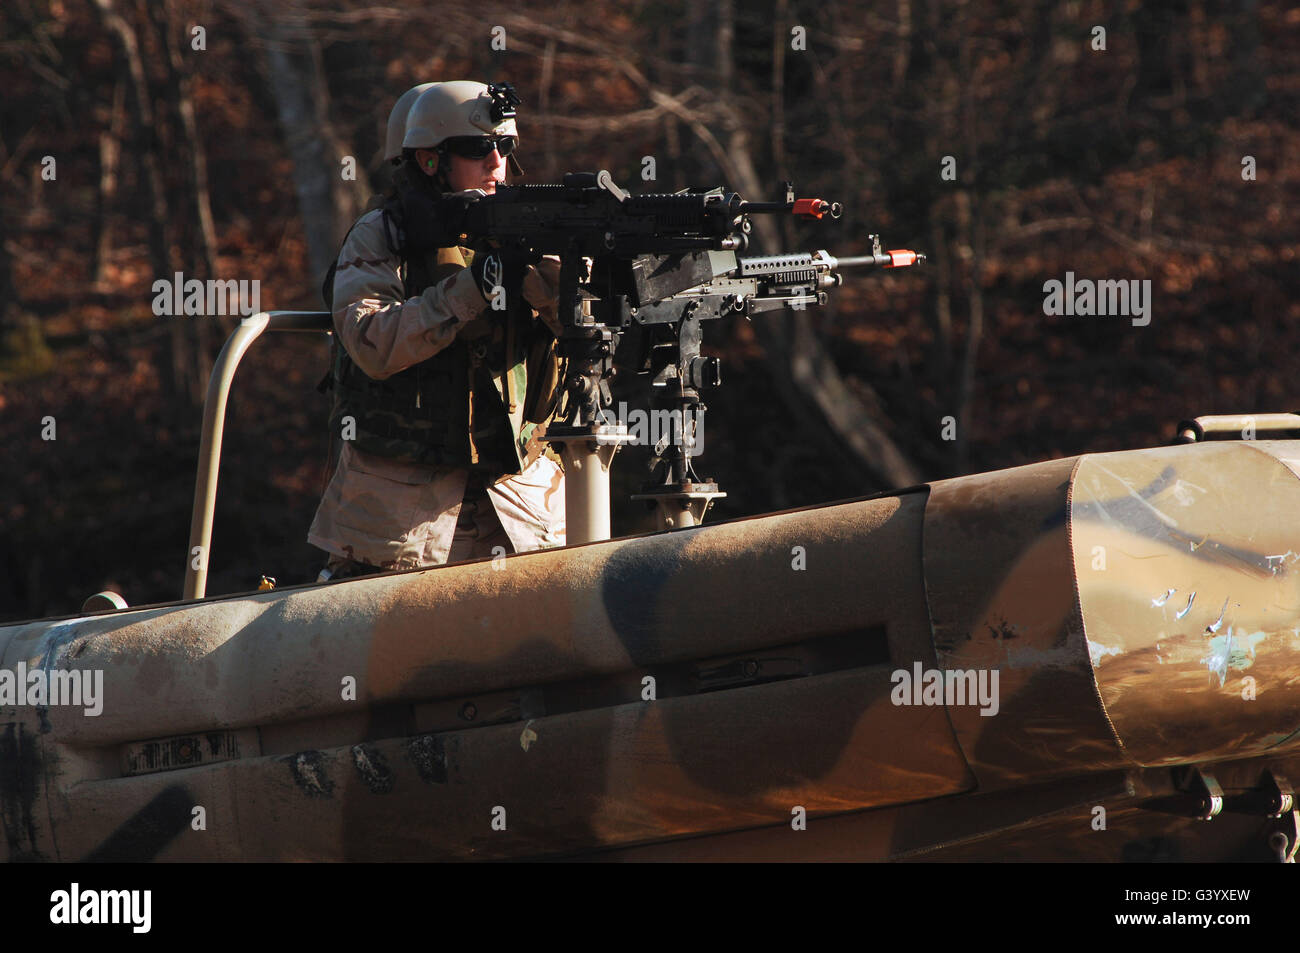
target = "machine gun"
x: 669, y: 351
x: 662, y: 263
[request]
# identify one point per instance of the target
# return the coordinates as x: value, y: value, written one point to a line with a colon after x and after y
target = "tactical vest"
x: 482, y: 402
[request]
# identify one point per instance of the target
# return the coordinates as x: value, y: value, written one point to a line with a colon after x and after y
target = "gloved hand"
x: 501, y: 268
x: 541, y: 287
x: 516, y: 272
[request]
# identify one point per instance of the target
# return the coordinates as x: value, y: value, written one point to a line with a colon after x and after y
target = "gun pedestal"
x: 682, y: 504
x: 683, y: 498
x: 587, y: 452
x: 678, y: 373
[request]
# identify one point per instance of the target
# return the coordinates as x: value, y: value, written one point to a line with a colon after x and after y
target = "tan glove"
x: 541, y: 289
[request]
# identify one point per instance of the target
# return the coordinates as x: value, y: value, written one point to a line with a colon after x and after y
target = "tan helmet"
x: 462, y: 108
x: 397, y: 121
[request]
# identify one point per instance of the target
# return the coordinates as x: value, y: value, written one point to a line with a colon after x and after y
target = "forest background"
x: 1011, y: 141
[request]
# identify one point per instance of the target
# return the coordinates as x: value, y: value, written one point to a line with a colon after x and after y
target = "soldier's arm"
x: 382, y: 332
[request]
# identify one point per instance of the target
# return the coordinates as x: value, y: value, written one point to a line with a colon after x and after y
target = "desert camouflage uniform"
x: 395, y: 514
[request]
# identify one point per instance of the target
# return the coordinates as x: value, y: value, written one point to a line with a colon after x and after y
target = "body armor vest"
x: 470, y: 404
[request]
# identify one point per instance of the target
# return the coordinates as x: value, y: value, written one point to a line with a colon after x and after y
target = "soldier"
x: 441, y: 395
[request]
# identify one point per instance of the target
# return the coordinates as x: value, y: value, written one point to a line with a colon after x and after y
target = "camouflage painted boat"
x: 1077, y: 659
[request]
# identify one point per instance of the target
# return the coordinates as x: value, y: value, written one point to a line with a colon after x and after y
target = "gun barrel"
x: 800, y: 208
x: 899, y: 258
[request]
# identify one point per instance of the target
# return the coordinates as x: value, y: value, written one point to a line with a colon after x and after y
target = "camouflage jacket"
x: 391, y: 513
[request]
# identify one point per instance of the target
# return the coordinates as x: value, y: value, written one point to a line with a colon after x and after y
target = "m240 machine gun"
x: 660, y: 264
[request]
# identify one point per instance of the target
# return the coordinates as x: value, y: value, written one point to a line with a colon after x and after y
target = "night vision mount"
x: 504, y: 101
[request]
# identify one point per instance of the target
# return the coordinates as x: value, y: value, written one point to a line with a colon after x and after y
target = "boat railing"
x: 214, y: 421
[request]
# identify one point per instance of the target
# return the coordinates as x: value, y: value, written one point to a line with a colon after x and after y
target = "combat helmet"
x: 397, y: 121
x: 462, y: 108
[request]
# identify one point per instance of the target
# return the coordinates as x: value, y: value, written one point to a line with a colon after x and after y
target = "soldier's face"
x: 483, y: 173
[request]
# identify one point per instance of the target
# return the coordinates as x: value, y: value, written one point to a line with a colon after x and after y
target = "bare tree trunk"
x: 778, y: 86
x: 939, y: 292
x: 544, y: 107
x: 780, y: 34
x: 143, y: 136
x: 190, y: 336
x: 110, y: 154
x: 201, y: 250
x: 1248, y: 89
x: 672, y: 129
x: 145, y: 144
x: 972, y: 231
x: 1157, y: 28
x: 923, y: 121
x: 183, y: 92
x: 725, y: 26
x: 903, y: 52
x: 328, y: 204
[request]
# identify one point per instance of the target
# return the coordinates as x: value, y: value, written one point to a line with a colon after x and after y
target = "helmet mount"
x: 504, y: 101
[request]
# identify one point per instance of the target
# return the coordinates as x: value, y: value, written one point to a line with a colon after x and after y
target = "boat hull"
x: 751, y: 689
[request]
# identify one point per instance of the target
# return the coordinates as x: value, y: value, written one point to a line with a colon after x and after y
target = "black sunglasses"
x: 479, y: 147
